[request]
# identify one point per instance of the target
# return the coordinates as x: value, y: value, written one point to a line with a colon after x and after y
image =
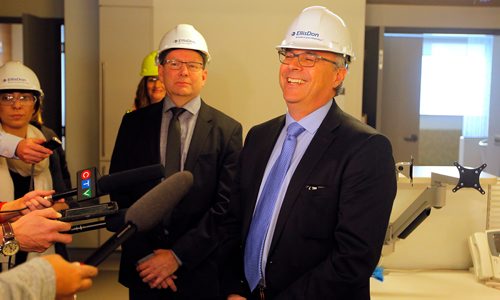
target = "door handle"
x: 411, y: 138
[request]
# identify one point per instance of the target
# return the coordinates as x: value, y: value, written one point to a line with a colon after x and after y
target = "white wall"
x: 82, y: 84
x: 241, y: 36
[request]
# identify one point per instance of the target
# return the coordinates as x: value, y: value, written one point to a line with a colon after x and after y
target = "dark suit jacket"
x: 212, y: 159
x: 327, y: 241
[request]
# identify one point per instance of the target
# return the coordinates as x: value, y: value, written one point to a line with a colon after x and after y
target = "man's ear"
x: 204, y: 76
x: 339, y: 77
x: 161, y: 70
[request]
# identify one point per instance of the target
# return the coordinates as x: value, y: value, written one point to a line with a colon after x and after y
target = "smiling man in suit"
x: 176, y: 261
x: 314, y: 187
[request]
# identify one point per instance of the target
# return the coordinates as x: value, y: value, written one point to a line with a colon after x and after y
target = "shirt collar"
x: 312, y: 121
x: 192, y: 106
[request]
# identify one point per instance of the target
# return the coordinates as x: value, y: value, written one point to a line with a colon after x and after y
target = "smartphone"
x: 52, y: 144
x: 89, y: 212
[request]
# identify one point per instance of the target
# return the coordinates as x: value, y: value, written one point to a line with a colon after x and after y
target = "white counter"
x: 433, y: 261
x: 431, y: 285
x: 440, y: 241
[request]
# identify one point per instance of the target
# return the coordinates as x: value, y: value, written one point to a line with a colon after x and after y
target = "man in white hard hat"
x: 177, y: 261
x: 315, y: 187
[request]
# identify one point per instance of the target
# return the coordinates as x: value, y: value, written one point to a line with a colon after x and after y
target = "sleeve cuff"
x: 179, y: 261
x: 8, y: 145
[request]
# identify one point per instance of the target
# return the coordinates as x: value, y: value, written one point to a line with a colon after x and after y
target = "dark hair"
x: 142, y: 98
x: 37, y: 113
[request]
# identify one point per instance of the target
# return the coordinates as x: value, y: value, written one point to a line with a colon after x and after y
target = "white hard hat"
x: 16, y: 76
x: 317, y: 28
x: 183, y: 36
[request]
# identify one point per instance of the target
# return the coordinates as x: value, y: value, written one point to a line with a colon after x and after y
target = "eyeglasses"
x: 152, y: 79
x: 10, y: 99
x: 192, y: 66
x: 305, y: 59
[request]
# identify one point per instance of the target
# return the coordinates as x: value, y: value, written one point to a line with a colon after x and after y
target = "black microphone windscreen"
x: 116, y: 221
x: 159, y: 202
x: 123, y: 180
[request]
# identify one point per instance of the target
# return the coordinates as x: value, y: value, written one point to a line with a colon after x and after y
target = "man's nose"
x: 294, y: 64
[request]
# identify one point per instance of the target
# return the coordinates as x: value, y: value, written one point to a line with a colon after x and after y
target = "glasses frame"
x: 191, y: 66
x: 15, y: 99
x: 282, y: 56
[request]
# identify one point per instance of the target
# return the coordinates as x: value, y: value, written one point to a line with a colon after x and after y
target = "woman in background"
x: 150, y: 90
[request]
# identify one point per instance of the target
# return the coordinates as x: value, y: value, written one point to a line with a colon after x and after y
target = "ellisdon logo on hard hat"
x: 300, y: 33
x: 184, y: 41
x: 15, y: 79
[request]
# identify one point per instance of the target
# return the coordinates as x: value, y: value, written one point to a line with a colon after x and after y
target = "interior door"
x: 492, y: 158
x: 42, y: 53
x: 122, y: 46
x: 373, y: 75
x: 401, y: 95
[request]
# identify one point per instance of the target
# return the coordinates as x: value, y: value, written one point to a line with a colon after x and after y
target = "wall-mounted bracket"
x: 469, y: 178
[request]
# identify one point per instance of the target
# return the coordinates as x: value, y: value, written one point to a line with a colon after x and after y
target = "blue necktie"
x: 254, y: 247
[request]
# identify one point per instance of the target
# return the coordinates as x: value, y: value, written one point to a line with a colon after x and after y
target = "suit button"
x: 270, y: 262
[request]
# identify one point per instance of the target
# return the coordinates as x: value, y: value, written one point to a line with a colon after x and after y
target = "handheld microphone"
x: 113, y: 222
x: 123, y: 180
x: 146, y: 213
x: 110, y: 183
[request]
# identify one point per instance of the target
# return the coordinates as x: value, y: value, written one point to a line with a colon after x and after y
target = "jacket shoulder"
x: 212, y: 113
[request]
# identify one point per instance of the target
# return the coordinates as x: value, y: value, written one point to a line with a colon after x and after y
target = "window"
x: 456, y: 79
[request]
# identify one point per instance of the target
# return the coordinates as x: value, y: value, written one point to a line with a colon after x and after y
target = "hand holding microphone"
x: 147, y: 212
x: 39, y: 230
x: 35, y: 200
x: 31, y: 201
x: 32, y: 151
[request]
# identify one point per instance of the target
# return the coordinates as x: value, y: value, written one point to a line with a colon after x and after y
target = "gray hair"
x: 342, y: 61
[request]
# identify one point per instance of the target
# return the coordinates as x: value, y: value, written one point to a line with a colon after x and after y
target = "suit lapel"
x: 201, y: 131
x: 322, y: 140
x: 151, y: 130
